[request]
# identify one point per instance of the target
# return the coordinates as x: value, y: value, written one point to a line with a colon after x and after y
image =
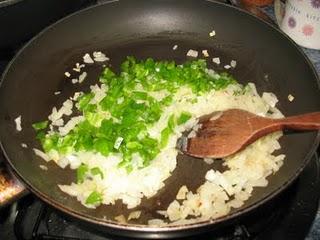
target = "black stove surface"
x: 289, y: 216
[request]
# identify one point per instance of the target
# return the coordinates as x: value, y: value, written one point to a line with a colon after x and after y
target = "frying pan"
x: 144, y: 29
x: 28, y: 17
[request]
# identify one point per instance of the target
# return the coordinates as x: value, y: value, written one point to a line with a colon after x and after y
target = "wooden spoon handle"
x: 308, y: 121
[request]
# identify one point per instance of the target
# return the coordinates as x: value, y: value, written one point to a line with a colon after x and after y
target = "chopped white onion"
x: 212, y: 33
x: 192, y: 53
x: 18, y: 123
x: 82, y: 77
x: 290, y: 98
x: 41, y: 154
x: 233, y: 63
x: 118, y: 142
x: 87, y: 58
x: 134, y: 215
x: 205, y: 53
x: 43, y: 167
x: 216, y: 60
x: 24, y: 145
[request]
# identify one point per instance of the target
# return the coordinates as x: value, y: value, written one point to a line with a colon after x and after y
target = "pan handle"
x: 10, y: 187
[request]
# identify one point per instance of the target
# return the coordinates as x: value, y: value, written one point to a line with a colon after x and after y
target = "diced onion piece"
x: 182, y: 193
x: 59, y: 122
x: 163, y: 213
x: 18, y: 123
x: 118, y: 142
x: 41, y: 154
x: 74, y: 161
x: 66, y: 109
x: 205, y: 53
x: 208, y: 160
x: 24, y: 145
x: 233, y: 63
x: 70, y: 125
x: 100, y: 57
x: 78, y: 67
x: 218, y: 178
x: 290, y: 98
x: 76, y: 95
x: 82, y: 77
x: 43, y: 167
x: 87, y: 58
x: 212, y: 33
x: 270, y: 98
x: 134, y: 215
x: 192, y: 53
x: 216, y: 60
x: 74, y: 80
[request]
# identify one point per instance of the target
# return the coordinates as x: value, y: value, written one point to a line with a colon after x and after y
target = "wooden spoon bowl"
x: 225, y: 133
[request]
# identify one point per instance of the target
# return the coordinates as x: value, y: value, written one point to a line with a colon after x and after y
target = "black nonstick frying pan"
x: 28, y: 17
x: 150, y: 28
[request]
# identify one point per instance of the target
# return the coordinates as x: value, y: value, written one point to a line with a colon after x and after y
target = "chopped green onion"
x: 40, y: 125
x: 183, y: 118
x: 41, y: 136
x: 81, y: 173
x: 84, y: 100
x: 103, y: 146
x: 139, y: 95
x: 165, y: 134
x: 94, y: 198
x: 134, y: 145
x: 171, y: 122
x: 128, y: 108
x: 97, y: 171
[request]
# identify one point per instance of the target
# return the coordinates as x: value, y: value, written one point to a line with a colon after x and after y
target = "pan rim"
x: 172, y: 228
x: 7, y: 3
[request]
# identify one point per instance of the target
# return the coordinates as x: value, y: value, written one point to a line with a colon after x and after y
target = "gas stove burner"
x: 288, y: 216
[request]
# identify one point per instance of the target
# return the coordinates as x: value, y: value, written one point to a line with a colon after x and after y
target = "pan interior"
x: 150, y: 29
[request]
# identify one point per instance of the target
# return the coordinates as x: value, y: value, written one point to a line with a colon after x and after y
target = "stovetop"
x: 294, y: 214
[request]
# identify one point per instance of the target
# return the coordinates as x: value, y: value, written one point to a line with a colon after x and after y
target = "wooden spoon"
x: 224, y: 133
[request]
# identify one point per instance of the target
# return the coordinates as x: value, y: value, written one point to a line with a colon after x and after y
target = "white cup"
x: 300, y: 20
